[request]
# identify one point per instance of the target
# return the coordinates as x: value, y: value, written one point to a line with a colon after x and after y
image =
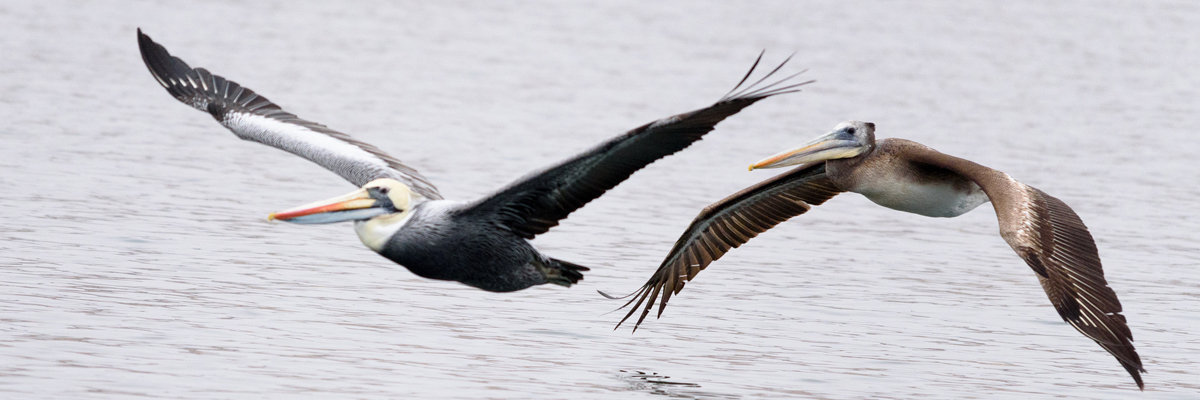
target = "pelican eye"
x: 384, y: 190
x: 850, y: 130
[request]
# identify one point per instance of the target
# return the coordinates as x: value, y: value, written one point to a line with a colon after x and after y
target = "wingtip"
x: 757, y: 90
x: 143, y: 38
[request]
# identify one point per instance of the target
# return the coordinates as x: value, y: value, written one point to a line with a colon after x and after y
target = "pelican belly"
x: 930, y: 198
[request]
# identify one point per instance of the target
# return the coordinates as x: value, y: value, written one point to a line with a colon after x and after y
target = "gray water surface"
x: 136, y: 259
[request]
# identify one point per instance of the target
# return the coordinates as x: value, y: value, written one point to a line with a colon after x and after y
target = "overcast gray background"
x: 136, y: 261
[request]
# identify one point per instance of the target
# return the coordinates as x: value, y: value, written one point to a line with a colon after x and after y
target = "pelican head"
x: 378, y: 210
x: 848, y: 139
x: 378, y: 198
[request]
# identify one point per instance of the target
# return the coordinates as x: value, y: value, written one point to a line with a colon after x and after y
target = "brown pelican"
x: 907, y: 176
x: 400, y: 215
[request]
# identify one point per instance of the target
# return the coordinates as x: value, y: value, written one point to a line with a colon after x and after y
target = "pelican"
x: 402, y: 216
x: 907, y: 176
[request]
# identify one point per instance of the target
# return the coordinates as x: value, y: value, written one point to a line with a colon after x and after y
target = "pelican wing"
x: 533, y: 204
x: 1053, y: 240
x: 253, y: 117
x: 728, y: 224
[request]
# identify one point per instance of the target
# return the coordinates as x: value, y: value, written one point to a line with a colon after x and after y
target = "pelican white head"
x: 378, y: 209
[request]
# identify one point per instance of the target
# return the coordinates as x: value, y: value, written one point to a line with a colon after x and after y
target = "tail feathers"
x: 564, y: 273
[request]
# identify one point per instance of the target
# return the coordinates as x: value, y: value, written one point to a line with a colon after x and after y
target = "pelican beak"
x: 827, y: 147
x: 357, y: 205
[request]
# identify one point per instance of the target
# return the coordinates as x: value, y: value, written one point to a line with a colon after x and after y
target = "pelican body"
x: 910, y: 177
x: 889, y: 180
x: 402, y: 216
x: 444, y: 240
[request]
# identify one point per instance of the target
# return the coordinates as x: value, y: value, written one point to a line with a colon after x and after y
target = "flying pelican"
x: 400, y: 215
x: 907, y: 176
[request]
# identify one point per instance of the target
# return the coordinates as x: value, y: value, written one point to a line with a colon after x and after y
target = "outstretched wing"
x: 537, y: 202
x: 253, y: 117
x: 728, y: 224
x: 1053, y: 240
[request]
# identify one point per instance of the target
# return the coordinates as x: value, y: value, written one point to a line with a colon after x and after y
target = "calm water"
x: 136, y: 261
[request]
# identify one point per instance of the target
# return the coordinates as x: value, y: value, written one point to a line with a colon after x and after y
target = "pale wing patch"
x: 336, y: 155
x: 254, y: 117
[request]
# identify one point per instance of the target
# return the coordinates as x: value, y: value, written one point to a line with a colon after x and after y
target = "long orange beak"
x: 353, y: 206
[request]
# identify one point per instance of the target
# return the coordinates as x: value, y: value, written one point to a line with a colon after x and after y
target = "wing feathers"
x: 253, y: 117
x: 537, y: 202
x: 1054, y: 242
x: 727, y: 224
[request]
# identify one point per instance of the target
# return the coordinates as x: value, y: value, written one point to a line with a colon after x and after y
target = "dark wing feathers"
x: 537, y: 202
x: 1061, y: 251
x: 1053, y: 240
x: 727, y: 224
x: 250, y: 116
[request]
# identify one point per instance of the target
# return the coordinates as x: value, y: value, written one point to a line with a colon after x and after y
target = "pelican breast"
x: 888, y: 179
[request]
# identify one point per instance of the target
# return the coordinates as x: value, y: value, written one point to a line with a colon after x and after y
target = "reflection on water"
x: 653, y: 378
x: 661, y: 385
x: 136, y: 260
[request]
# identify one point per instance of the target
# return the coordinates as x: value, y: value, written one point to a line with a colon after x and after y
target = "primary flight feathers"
x: 253, y: 117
